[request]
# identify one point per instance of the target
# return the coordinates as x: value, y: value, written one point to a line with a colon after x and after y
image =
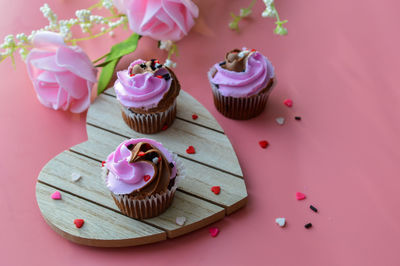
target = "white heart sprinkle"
x: 280, y: 120
x: 155, y: 160
x: 243, y: 53
x: 75, y: 177
x: 180, y: 220
x: 280, y: 221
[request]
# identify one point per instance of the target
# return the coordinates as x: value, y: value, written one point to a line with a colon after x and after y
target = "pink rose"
x: 159, y: 19
x: 63, y: 76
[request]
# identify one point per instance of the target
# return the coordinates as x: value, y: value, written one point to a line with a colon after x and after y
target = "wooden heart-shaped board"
x: 214, y: 164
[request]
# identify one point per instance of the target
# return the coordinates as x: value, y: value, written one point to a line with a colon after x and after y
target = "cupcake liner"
x: 240, y: 108
x: 149, y: 123
x: 150, y: 206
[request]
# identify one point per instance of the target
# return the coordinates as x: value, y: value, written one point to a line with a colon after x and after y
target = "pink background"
x: 340, y: 65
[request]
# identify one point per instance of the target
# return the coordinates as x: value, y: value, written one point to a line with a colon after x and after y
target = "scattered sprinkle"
x: 300, y: 196
x: 75, y: 177
x: 216, y: 190
x: 143, y: 65
x: 146, y: 178
x: 56, y: 195
x: 190, y: 150
x: 171, y: 165
x: 298, y: 118
x: 313, y: 208
x: 180, y: 220
x: 222, y: 63
x: 280, y: 120
x: 263, y: 144
x: 79, y: 223
x: 280, y: 221
x: 308, y: 226
x: 194, y: 116
x: 214, y: 231
x: 155, y: 160
x: 288, y: 102
x: 130, y: 146
x: 141, y: 153
x: 164, y: 127
x: 160, y: 77
x: 252, y: 50
x: 102, y: 163
x: 132, y: 75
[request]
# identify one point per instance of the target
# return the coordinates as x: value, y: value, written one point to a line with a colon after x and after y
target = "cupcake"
x: 147, y: 93
x: 142, y: 176
x: 242, y: 83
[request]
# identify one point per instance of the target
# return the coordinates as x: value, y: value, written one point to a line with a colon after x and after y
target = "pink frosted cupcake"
x: 142, y: 176
x: 242, y: 83
x: 147, y: 94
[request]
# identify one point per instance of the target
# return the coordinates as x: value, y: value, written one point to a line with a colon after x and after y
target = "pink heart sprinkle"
x: 300, y: 196
x: 288, y: 102
x: 213, y: 231
x: 56, y: 195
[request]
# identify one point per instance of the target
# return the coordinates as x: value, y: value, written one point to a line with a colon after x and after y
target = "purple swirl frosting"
x: 258, y: 71
x: 141, y: 90
x: 124, y: 176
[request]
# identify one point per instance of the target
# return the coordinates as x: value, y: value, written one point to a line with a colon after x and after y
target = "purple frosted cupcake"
x: 142, y: 177
x: 242, y: 83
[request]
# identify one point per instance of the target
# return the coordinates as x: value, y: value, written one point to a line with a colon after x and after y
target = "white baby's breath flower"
x: 107, y: 3
x: 268, y: 12
x: 111, y: 34
x: 166, y: 45
x: 170, y: 63
x: 83, y: 15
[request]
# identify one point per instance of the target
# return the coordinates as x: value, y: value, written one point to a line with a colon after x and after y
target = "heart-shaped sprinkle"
x: 300, y: 196
x: 288, y: 102
x: 75, y: 177
x: 216, y: 190
x: 214, y: 231
x: 194, y: 116
x: 155, y: 160
x: 146, y: 178
x: 280, y: 120
x: 56, y: 195
x: 190, y: 150
x: 280, y: 221
x: 263, y: 144
x: 180, y: 220
x: 141, y: 154
x: 102, y: 163
x: 79, y: 223
x: 165, y: 127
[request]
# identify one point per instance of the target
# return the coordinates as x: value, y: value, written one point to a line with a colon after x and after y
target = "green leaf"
x: 106, y: 75
x: 120, y: 49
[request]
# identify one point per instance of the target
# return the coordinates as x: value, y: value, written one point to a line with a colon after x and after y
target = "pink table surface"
x: 339, y: 64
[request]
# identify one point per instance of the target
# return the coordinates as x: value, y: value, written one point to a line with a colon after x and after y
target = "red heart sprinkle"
x: 158, y: 76
x: 194, y: 116
x: 132, y: 75
x: 300, y: 196
x: 288, y: 102
x: 79, y: 223
x: 263, y: 144
x: 164, y: 127
x: 190, y: 150
x: 141, y: 154
x: 216, y: 190
x: 146, y: 178
x: 102, y: 163
x: 252, y: 50
x: 213, y: 231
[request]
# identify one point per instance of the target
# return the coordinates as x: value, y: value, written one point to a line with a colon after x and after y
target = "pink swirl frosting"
x: 143, y: 90
x: 125, y: 177
x: 258, y: 72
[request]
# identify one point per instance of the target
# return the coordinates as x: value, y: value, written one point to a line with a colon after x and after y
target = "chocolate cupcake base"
x: 149, y: 123
x: 241, y: 108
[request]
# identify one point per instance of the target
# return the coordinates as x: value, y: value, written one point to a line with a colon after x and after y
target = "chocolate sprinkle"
x: 308, y: 226
x: 130, y: 146
x: 313, y: 208
x: 171, y: 165
x: 159, y: 66
x: 142, y: 65
x: 166, y: 76
x: 298, y: 118
x: 216, y: 85
x: 222, y: 63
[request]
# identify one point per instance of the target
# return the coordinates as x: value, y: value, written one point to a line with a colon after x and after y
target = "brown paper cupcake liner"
x: 151, y: 206
x: 149, y: 123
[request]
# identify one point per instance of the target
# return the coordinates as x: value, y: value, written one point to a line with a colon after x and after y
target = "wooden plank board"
x: 105, y: 113
x: 188, y: 106
x: 102, y: 227
x: 214, y: 164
